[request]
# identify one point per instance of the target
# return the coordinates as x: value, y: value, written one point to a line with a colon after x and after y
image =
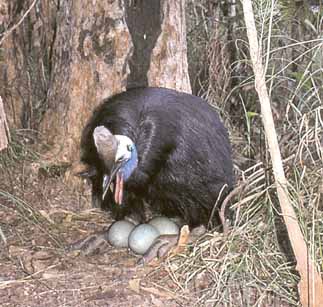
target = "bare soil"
x: 40, y: 214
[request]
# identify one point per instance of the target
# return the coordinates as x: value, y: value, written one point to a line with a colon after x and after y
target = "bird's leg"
x: 97, y: 243
x: 168, y: 245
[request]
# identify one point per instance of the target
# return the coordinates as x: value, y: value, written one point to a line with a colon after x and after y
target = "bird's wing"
x: 154, y: 148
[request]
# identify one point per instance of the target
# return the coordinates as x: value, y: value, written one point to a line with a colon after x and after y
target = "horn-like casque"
x: 106, y: 144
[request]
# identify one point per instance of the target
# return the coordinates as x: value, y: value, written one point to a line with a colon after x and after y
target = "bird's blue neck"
x: 130, y: 165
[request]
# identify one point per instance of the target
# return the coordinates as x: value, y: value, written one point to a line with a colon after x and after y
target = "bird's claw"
x: 161, y: 246
x: 166, y: 245
x: 91, y: 245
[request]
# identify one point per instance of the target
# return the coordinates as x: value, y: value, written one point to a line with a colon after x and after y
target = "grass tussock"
x: 254, y: 265
x: 250, y: 266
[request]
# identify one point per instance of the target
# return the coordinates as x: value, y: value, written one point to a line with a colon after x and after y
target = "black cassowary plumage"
x: 184, y: 155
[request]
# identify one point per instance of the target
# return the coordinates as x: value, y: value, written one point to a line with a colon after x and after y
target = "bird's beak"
x: 107, y: 180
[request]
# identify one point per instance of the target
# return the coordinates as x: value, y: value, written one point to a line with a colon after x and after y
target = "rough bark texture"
x: 66, y: 56
x: 168, y: 64
x: 90, y: 63
x: 158, y: 31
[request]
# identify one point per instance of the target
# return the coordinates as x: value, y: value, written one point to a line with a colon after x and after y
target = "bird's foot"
x: 94, y: 244
x: 162, y: 246
x: 169, y: 245
x: 97, y: 243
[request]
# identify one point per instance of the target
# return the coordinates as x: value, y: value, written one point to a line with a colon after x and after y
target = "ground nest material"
x: 40, y: 214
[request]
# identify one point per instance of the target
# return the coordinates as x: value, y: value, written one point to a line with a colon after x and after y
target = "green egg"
x: 164, y: 225
x: 142, y: 237
x: 119, y: 233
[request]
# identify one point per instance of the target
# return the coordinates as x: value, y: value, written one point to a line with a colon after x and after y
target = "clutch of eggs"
x: 139, y: 238
x: 119, y: 232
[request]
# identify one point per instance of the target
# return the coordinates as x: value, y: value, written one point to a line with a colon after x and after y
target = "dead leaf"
x: 46, y: 215
x: 15, y: 251
x: 134, y: 285
x: 52, y: 275
x: 43, y: 255
x: 158, y: 292
x: 68, y: 218
x: 182, y: 240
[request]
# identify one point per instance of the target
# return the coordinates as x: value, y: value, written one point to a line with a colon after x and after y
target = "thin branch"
x: 3, y: 237
x: 232, y: 194
x: 4, y: 129
x: 14, y: 27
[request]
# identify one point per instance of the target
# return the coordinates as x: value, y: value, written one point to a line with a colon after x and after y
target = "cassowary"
x: 160, y: 147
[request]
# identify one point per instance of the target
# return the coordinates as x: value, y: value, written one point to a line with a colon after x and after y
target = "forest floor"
x: 39, y: 216
x: 42, y: 211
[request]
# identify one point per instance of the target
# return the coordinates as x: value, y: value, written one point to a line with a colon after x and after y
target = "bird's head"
x: 120, y: 158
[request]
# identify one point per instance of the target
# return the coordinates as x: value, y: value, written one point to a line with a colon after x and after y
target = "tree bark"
x: 158, y: 31
x: 103, y: 49
x: 63, y: 59
x: 92, y: 48
x: 168, y: 65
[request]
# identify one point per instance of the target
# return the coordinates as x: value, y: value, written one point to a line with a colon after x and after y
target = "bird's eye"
x: 129, y: 147
x: 120, y: 159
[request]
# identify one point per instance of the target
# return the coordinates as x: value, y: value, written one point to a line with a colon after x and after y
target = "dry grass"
x: 40, y: 215
x: 252, y: 265
x: 247, y: 267
x: 255, y: 257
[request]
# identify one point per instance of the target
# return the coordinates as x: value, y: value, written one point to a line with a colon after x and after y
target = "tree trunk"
x: 90, y: 61
x: 158, y: 31
x: 61, y: 61
x: 168, y: 61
